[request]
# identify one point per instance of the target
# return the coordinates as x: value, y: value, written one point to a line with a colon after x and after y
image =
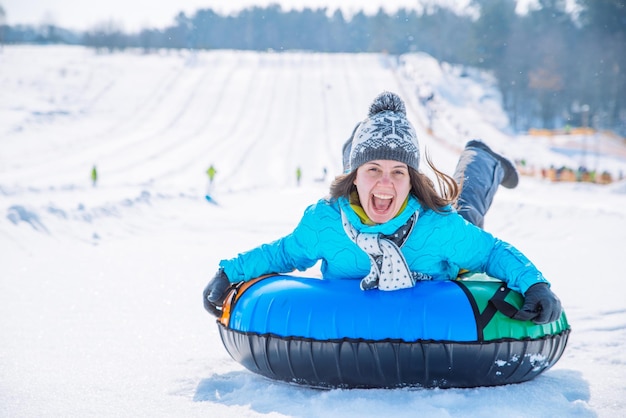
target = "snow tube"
x: 331, y: 334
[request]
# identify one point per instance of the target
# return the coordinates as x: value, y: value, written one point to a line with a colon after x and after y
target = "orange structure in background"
x: 568, y: 174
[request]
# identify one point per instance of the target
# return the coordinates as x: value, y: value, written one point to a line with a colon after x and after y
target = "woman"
x: 385, y: 224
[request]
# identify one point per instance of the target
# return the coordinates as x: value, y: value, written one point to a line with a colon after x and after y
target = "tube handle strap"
x: 496, y: 304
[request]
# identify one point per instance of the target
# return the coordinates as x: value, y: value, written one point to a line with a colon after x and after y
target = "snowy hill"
x: 100, y: 287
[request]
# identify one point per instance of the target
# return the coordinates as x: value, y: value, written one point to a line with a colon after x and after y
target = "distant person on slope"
x: 94, y: 176
x: 211, y: 171
x: 386, y: 225
x: 298, y: 175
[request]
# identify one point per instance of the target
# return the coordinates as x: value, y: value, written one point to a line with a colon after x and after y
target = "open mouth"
x: 381, y: 202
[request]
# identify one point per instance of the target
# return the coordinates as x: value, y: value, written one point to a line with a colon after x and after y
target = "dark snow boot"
x: 511, y: 177
x: 479, y: 172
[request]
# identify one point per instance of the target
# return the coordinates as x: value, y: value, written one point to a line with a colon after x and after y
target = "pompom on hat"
x: 386, y: 134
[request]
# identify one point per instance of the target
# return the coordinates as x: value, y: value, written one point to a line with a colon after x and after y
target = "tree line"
x: 554, y: 68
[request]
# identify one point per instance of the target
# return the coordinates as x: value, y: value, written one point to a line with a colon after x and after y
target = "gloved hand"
x: 215, y: 292
x: 540, y: 305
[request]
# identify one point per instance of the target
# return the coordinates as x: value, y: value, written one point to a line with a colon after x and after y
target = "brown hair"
x: 422, y: 187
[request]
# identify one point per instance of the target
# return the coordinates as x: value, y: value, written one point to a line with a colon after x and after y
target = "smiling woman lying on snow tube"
x: 331, y: 334
x: 389, y: 312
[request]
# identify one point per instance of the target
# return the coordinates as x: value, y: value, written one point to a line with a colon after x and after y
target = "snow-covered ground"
x: 100, y: 287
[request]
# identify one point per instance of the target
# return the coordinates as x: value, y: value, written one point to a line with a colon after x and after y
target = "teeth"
x: 383, y: 196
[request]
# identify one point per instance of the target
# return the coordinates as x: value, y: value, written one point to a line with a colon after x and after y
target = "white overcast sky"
x: 133, y: 15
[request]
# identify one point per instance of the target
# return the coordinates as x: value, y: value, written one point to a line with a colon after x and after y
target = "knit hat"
x: 386, y: 134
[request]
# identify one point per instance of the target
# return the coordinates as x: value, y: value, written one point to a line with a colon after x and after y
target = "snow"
x: 100, y: 287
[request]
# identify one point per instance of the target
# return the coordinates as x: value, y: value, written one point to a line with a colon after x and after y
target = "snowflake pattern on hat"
x: 392, y: 126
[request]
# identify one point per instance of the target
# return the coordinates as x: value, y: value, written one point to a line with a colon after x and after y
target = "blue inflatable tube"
x: 331, y: 334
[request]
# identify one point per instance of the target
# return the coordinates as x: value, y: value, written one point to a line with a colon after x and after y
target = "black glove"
x: 540, y: 305
x: 215, y: 292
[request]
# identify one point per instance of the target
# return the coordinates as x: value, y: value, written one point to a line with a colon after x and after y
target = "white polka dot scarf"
x: 388, y: 267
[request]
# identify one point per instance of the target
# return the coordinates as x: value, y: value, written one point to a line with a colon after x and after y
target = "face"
x: 383, y: 186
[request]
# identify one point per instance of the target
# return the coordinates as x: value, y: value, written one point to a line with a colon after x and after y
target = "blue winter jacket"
x: 440, y: 245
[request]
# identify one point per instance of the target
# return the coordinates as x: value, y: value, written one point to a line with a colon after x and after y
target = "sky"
x: 100, y: 287
x: 133, y: 15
